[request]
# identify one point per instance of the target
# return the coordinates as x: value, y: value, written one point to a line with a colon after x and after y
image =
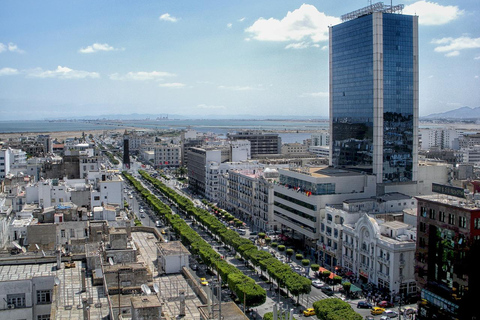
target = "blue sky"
x: 198, y: 58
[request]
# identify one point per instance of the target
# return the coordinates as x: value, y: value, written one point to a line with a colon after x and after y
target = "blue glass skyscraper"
x: 374, y: 93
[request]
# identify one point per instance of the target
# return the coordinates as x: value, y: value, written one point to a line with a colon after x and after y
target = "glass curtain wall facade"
x: 374, y: 95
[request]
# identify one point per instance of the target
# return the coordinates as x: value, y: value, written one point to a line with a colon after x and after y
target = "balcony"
x: 383, y: 260
x: 348, y: 245
x: 383, y: 275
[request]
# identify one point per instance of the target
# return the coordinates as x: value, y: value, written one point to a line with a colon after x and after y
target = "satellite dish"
x: 16, y: 245
x: 43, y: 253
x: 156, y: 288
x: 36, y: 246
x: 56, y: 281
x: 145, y: 289
x: 110, y: 260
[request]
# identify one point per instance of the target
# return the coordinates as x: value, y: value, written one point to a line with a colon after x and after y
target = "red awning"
x: 332, y: 275
x: 322, y: 269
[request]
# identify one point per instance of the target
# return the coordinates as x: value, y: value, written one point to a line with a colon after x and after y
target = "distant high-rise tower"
x: 374, y: 93
x: 126, y: 153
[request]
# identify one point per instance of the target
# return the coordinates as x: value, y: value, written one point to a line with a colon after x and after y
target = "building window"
x: 72, y: 233
x: 44, y: 296
x: 62, y: 233
x: 451, y: 218
x: 17, y: 300
x: 96, y: 198
x: 441, y: 216
x: 423, y: 226
x: 43, y: 317
x: 432, y: 214
x: 462, y: 222
x: 476, y: 223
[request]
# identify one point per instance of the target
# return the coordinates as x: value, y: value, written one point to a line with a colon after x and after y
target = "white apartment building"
x: 439, y: 138
x: 320, y: 151
x: 136, y: 140
x: 28, y: 297
x: 215, y: 171
x: 321, y: 139
x: 469, y: 155
x: 302, y: 194
x: 88, y: 164
x: 249, y: 193
x: 380, y: 252
x: 329, y: 245
x: 294, y: 148
x: 167, y: 155
x: 5, y: 154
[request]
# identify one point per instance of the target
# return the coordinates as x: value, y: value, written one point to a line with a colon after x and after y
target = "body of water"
x: 286, y: 129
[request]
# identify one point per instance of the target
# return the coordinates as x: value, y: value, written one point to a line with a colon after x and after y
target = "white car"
x: 317, y: 283
x: 390, y: 313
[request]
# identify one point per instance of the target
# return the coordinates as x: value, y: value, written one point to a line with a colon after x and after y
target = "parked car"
x: 390, y: 313
x: 309, y: 312
x: 385, y: 304
x: 364, y: 305
x: 327, y: 290
x: 317, y: 283
x: 253, y: 233
x: 204, y: 282
x: 377, y: 310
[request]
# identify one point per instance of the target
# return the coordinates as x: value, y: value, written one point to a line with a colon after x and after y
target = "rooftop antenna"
x: 145, y: 289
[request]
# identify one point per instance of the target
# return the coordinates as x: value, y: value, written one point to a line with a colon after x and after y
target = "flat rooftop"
x: 325, y: 172
x: 451, y: 201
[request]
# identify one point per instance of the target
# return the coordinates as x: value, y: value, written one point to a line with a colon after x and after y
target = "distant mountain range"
x: 460, y: 113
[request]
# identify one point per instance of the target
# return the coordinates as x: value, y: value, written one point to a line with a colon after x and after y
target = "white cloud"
x: 241, y: 19
x: 239, y: 88
x: 432, y: 13
x: 229, y: 25
x: 8, y: 71
x: 96, y: 47
x: 61, y: 73
x: 298, y: 45
x: 314, y: 94
x: 142, y: 76
x: 476, y: 77
x: 303, y: 24
x: 477, y: 58
x: 12, y: 47
x: 452, y: 46
x: 452, y: 54
x: 204, y: 106
x: 174, y: 85
x: 168, y: 17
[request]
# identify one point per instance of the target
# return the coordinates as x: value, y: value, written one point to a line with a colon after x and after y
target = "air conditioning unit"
x: 11, y: 306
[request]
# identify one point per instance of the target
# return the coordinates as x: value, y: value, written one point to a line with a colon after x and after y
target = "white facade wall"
x: 380, y: 254
x: 240, y: 150
x: 24, y: 294
x: 308, y: 209
x: 321, y: 139
x: 167, y: 155
x: 4, y: 162
x: 320, y: 151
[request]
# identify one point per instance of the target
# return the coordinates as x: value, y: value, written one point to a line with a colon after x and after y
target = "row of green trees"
x: 335, y: 309
x: 242, y: 285
x: 282, y: 273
